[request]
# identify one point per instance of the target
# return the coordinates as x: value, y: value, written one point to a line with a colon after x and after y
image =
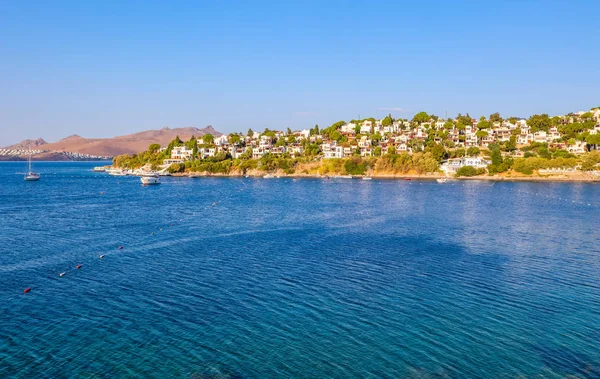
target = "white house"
x: 181, y: 152
x: 348, y: 128
x: 332, y: 150
x: 452, y: 165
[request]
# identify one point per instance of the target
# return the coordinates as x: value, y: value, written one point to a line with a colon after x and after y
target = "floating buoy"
x: 120, y: 247
x: 61, y: 274
x: 102, y: 193
x: 78, y: 266
x: 27, y: 290
x: 102, y: 256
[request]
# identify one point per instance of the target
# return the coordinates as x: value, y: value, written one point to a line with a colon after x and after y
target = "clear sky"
x: 107, y: 68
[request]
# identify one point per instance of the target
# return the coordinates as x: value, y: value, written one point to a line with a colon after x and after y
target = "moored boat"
x: 149, y: 180
x: 31, y: 176
x: 442, y: 180
x: 99, y: 169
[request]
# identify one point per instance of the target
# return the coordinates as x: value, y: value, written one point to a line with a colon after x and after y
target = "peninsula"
x: 541, y: 147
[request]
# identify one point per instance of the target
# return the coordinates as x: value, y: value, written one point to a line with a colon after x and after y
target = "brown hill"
x: 128, y: 144
x: 35, y: 144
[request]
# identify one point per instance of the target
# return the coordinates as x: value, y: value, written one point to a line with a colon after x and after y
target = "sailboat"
x: 31, y: 176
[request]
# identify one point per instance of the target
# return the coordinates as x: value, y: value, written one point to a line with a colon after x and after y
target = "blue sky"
x: 116, y: 67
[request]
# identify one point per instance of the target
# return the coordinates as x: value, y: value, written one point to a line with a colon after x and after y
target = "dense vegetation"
x: 426, y: 157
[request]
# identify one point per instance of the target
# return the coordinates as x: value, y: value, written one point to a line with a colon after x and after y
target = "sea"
x: 296, y: 278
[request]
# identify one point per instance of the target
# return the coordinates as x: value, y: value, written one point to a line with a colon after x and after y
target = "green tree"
x: 438, y: 152
x: 466, y: 171
x: 465, y: 120
x: 593, y: 139
x: 473, y: 151
x: 481, y: 134
x: 587, y: 116
x: 250, y: 133
x: 539, y: 122
x: 495, y: 117
x: 482, y: 125
x: 336, y: 135
x: 511, y: 144
x: 387, y: 121
x: 421, y: 117
x: 496, y: 155
x: 234, y: 139
x: 153, y: 148
x: 590, y: 161
x: 449, y: 125
x: 208, y: 138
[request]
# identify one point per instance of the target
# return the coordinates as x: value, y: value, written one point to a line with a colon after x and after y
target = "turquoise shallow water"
x: 296, y: 278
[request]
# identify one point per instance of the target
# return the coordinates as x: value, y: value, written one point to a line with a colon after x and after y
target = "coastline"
x: 574, y: 178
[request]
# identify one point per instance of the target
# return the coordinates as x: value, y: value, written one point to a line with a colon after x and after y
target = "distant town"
x: 22, y: 154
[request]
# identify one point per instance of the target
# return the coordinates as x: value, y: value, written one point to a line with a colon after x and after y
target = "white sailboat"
x: 31, y: 176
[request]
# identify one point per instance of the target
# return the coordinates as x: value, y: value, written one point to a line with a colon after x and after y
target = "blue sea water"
x: 259, y: 278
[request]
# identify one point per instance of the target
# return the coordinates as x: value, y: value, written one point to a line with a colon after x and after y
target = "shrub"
x: 467, y: 171
x: 355, y: 167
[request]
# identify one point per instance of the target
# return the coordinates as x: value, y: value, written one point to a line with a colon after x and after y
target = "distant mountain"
x: 35, y: 144
x: 128, y: 144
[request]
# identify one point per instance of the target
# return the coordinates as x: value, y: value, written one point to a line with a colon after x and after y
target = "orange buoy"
x: 27, y: 290
x: 78, y: 266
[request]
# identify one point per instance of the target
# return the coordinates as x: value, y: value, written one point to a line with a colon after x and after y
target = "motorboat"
x: 149, y: 180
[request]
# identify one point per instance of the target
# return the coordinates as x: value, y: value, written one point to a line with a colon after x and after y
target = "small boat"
x: 268, y: 176
x: 442, y: 180
x: 366, y: 178
x: 99, y: 169
x: 62, y: 274
x: 27, y: 290
x: 31, y: 176
x: 117, y: 173
x: 148, y: 180
x: 407, y: 178
x: 102, y: 256
x: 78, y: 267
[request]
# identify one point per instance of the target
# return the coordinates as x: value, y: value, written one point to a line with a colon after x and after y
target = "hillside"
x: 25, y: 144
x: 127, y: 144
